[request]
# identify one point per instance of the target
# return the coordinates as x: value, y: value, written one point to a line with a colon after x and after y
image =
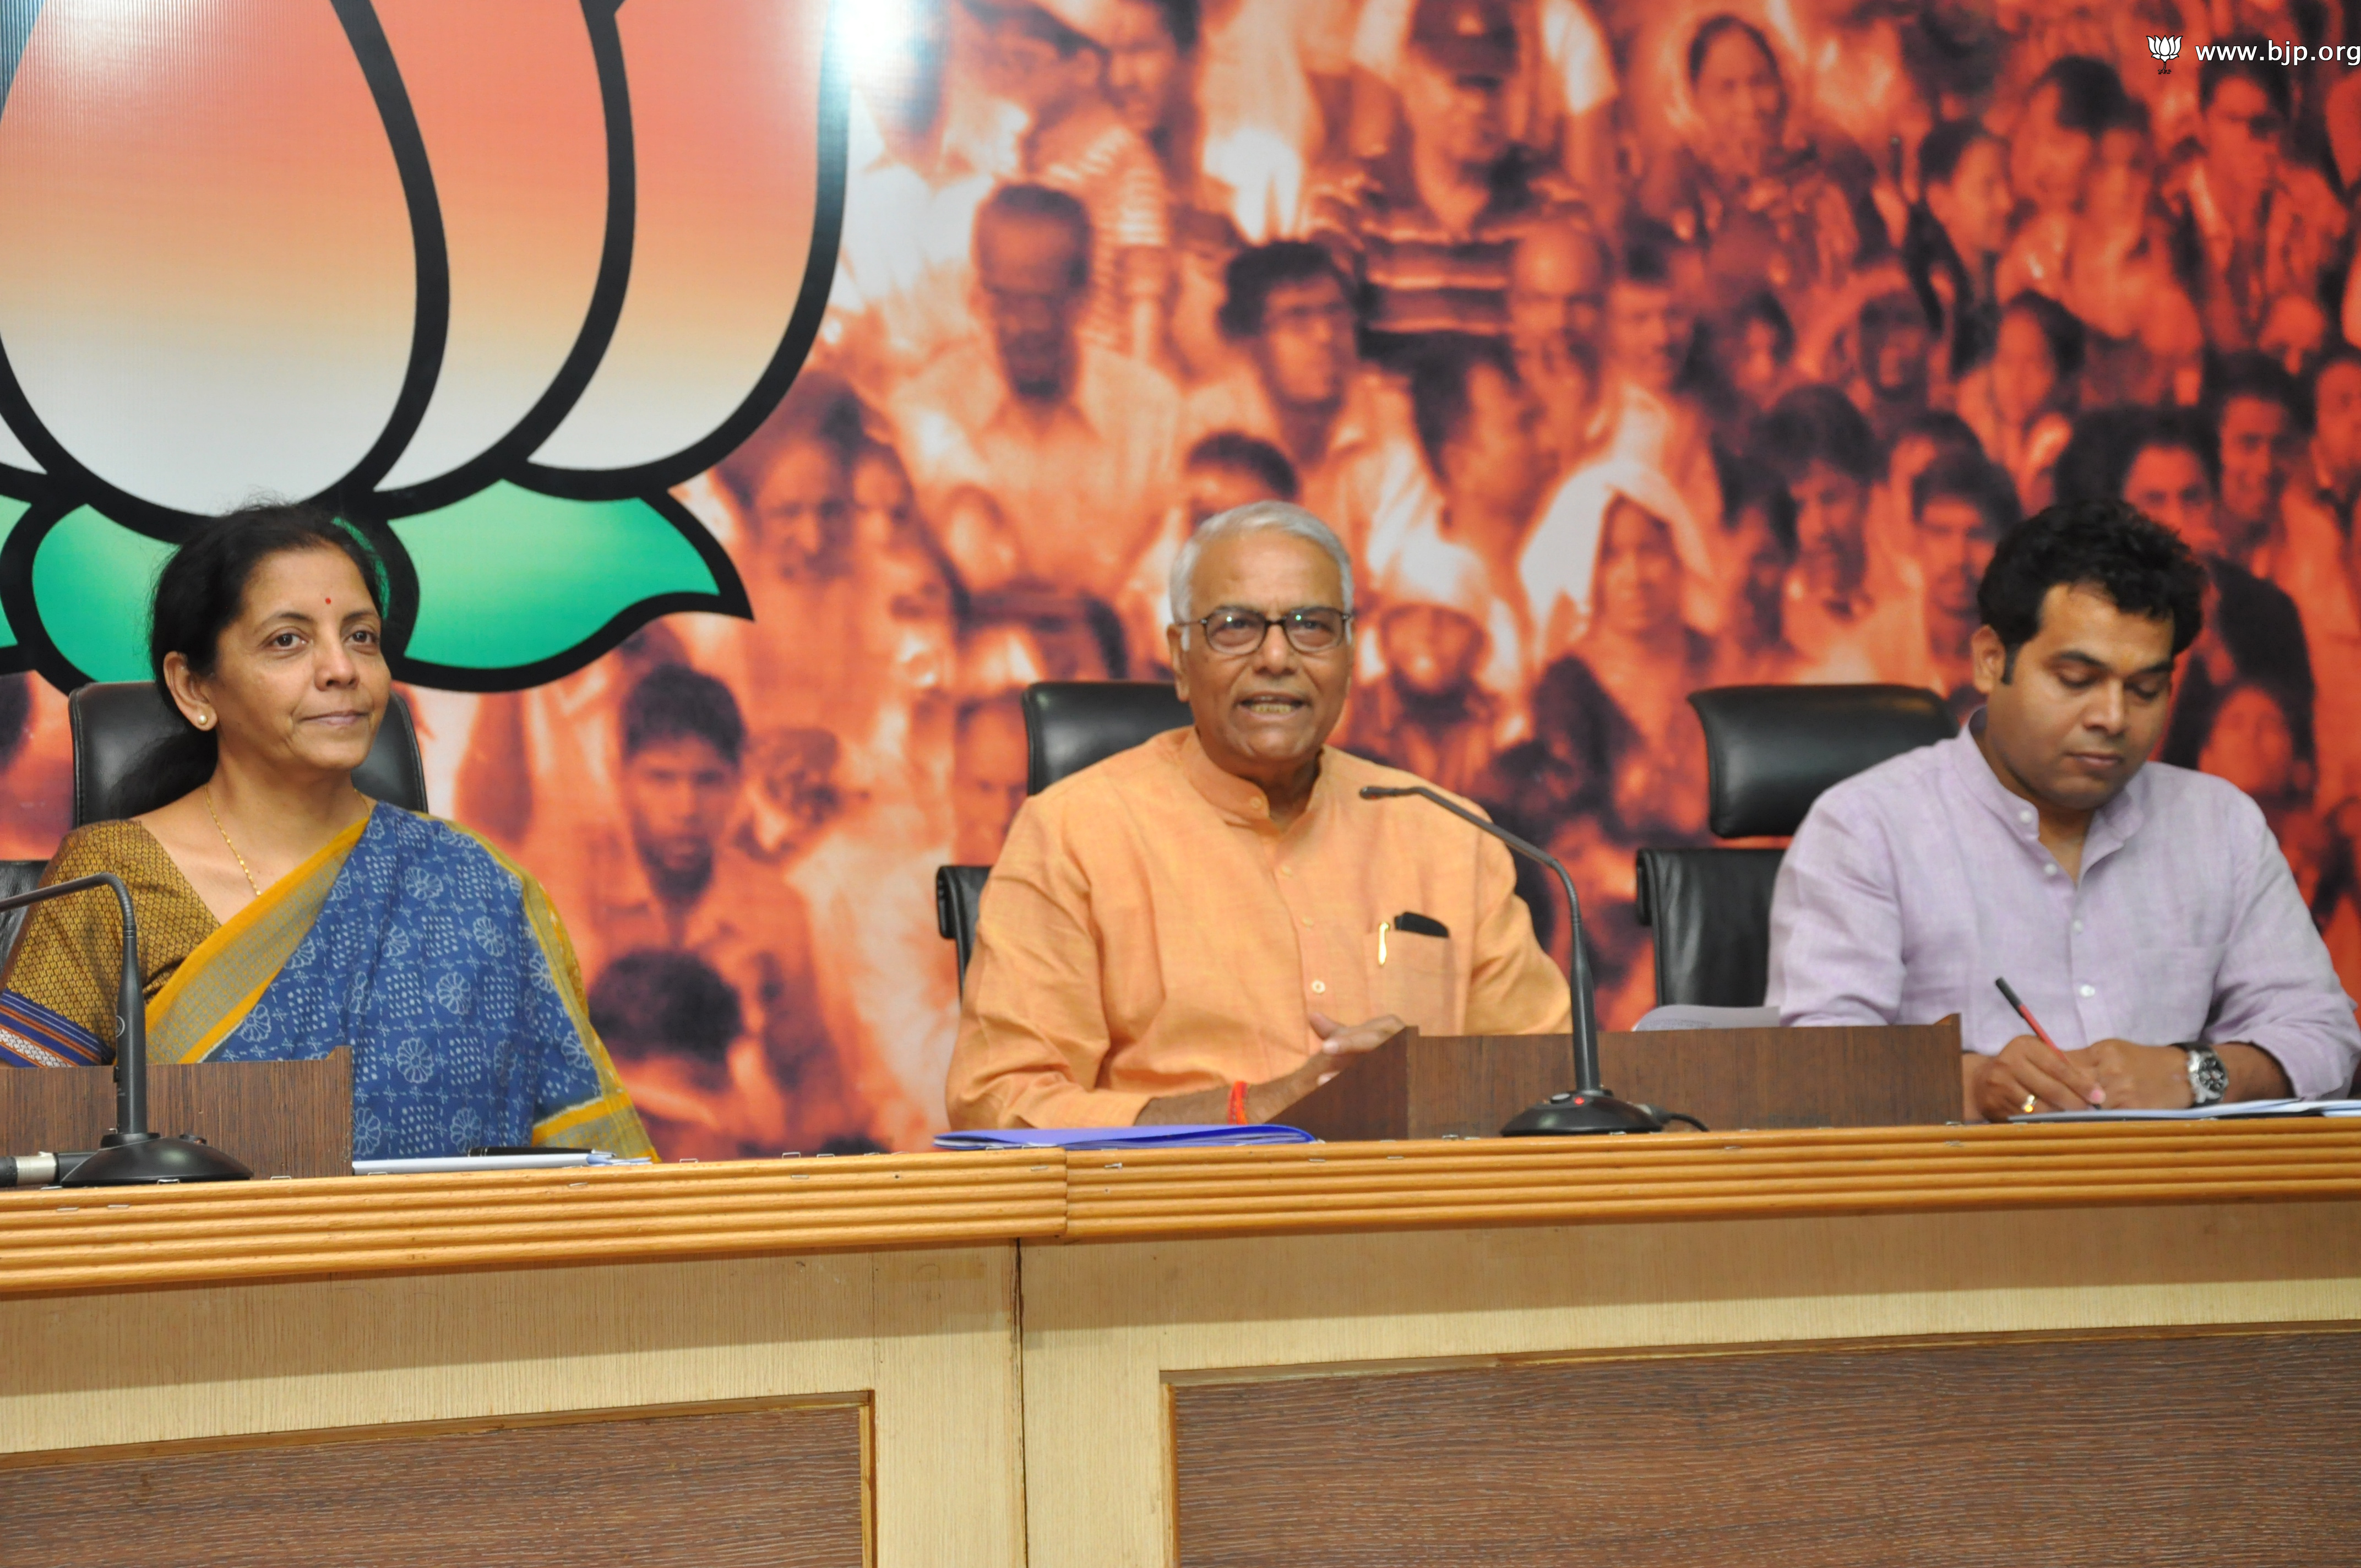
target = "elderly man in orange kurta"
x: 1210, y: 926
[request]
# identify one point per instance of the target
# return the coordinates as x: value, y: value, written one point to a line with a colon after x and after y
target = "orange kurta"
x: 1147, y: 931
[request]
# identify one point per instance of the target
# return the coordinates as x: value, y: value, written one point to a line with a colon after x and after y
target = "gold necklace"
x: 252, y: 886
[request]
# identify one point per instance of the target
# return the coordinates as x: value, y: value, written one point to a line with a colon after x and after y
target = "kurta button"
x: 1307, y: 920
x: 2078, y: 928
x: 2090, y: 990
x: 2025, y: 816
x: 1287, y: 871
x: 1319, y: 988
x: 2050, y: 870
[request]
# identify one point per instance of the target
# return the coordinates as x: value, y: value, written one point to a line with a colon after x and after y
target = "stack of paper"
x: 556, y: 1161
x: 2227, y: 1110
x: 1176, y: 1138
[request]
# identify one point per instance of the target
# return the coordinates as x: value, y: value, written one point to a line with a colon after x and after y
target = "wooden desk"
x: 1836, y: 1347
x: 744, y: 1361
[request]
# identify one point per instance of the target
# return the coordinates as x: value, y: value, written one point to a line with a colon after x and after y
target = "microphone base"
x: 1581, y: 1113
x: 151, y: 1160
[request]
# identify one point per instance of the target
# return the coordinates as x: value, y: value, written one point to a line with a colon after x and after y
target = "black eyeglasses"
x: 1314, y: 630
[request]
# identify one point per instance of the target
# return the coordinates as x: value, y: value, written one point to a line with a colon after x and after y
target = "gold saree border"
x: 219, y: 983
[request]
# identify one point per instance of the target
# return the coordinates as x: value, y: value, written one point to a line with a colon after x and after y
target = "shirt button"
x: 1287, y: 871
x: 1307, y: 920
x: 2025, y: 816
x: 1257, y: 805
x: 1319, y: 988
x: 2078, y: 928
x: 2090, y: 990
x: 2050, y: 870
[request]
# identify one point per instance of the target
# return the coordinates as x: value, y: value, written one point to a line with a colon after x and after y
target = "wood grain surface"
x: 926, y: 1336
x: 2150, y: 1451
x: 279, y: 1118
x: 63, y: 1240
x: 53, y: 1241
x: 1736, y: 1079
x: 787, y: 1485
x: 1690, y: 1176
x: 1111, y: 1329
x: 1450, y: 1086
x: 1436, y: 1086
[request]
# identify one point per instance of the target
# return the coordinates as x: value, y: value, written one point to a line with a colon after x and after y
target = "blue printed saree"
x: 441, y: 963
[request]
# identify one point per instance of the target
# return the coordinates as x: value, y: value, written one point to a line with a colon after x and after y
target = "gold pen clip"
x: 1383, y: 927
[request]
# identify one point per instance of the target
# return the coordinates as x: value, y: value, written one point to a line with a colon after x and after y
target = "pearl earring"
x: 205, y: 721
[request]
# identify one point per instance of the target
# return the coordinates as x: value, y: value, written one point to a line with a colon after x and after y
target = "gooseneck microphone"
x: 1589, y: 1108
x: 130, y: 1155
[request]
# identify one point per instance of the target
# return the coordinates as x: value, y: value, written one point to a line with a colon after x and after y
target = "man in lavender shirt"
x: 2143, y: 913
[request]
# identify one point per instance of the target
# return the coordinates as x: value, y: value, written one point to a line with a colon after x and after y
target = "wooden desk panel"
x: 1298, y: 1189
x: 1116, y: 1334
x: 295, y: 1309
x: 1735, y: 1078
x: 1443, y: 1086
x: 279, y: 1118
x: 780, y: 1483
x: 928, y: 1336
x: 1982, y: 1452
x: 136, y: 1237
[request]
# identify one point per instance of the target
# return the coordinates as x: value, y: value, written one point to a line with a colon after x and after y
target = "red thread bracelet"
x: 1239, y: 1103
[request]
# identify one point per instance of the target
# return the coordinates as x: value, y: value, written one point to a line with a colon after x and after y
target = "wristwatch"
x: 2209, y: 1080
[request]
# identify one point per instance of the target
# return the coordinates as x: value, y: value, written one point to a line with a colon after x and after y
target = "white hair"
x: 1254, y: 517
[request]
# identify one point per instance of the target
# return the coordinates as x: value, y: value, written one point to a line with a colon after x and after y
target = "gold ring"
x: 2030, y: 1101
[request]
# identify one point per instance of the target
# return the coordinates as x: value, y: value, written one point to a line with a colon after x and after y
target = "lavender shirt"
x: 1909, y: 887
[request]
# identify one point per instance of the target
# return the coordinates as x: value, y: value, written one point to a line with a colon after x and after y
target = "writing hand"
x: 1997, y: 1085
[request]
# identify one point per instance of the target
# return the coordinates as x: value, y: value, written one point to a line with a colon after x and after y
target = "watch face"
x: 2208, y: 1073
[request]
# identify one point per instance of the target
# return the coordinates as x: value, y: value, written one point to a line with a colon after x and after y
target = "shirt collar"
x: 1241, y: 802
x: 2111, y: 826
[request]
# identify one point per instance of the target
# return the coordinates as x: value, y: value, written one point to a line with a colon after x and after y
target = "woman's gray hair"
x: 1254, y: 517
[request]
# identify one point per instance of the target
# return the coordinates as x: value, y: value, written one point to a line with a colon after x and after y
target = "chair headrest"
x: 116, y: 722
x: 1070, y: 725
x: 1770, y: 751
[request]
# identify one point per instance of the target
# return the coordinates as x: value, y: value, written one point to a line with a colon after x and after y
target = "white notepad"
x: 2226, y: 1111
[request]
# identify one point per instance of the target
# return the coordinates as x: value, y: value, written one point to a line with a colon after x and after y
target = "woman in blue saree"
x: 282, y: 911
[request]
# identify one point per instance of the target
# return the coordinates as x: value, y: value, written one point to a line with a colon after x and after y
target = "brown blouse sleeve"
x: 67, y: 958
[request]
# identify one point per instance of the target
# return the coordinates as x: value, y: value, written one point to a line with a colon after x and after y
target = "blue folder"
x: 1176, y: 1138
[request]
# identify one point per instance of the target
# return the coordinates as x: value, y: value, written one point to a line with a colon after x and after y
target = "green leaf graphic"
x: 94, y: 580
x: 509, y: 579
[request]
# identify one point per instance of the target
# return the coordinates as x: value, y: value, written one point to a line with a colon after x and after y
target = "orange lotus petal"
x: 725, y: 112
x: 209, y: 285
x: 507, y: 101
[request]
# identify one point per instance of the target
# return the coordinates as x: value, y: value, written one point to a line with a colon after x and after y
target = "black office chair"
x: 1068, y: 726
x: 1770, y: 751
x: 116, y: 722
x: 15, y: 877
x: 957, y: 890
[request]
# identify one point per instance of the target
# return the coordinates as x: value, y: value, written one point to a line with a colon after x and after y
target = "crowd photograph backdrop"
x: 749, y: 399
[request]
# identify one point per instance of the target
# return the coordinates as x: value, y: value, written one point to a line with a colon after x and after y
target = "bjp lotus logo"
x: 2165, y: 50
x: 491, y: 277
